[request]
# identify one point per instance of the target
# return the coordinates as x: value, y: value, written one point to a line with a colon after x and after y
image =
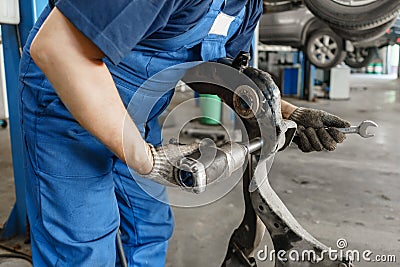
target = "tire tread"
x: 353, y: 22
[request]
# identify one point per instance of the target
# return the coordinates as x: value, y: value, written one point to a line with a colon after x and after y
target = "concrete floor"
x: 353, y: 193
x: 7, y: 193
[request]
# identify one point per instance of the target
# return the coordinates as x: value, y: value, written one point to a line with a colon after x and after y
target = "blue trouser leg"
x: 72, y: 209
x: 72, y: 205
x: 77, y: 189
x: 71, y: 202
x: 74, y: 184
x: 146, y: 218
x: 146, y: 222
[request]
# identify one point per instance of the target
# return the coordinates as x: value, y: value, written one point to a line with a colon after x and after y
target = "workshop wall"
x: 3, y: 96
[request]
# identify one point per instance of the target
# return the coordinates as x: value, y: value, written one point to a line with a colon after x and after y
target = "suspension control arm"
x: 253, y: 95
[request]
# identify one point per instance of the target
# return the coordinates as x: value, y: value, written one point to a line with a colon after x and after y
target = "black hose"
x: 121, y: 252
x: 16, y: 256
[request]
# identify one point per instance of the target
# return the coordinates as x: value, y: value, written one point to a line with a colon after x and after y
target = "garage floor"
x: 353, y: 193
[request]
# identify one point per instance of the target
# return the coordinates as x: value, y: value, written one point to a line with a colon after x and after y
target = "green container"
x: 370, y: 68
x: 378, y: 68
x: 210, y: 106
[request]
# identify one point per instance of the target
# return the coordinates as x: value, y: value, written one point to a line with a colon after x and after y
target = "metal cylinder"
x: 196, y: 171
x: 254, y: 145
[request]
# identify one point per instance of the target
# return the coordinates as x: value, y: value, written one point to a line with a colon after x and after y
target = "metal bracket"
x: 262, y: 205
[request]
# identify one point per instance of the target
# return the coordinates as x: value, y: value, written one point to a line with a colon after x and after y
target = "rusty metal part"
x: 261, y: 202
x: 246, y: 102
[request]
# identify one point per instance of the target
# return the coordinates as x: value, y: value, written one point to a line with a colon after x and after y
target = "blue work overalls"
x: 78, y: 192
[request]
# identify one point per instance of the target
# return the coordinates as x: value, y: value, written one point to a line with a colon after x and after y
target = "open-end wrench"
x: 361, y: 129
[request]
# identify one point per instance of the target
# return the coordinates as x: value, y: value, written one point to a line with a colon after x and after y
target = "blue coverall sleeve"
x: 242, y: 40
x: 115, y: 27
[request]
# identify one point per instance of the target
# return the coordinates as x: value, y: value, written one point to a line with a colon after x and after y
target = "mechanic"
x: 82, y: 64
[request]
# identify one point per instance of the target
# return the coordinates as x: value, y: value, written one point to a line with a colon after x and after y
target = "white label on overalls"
x: 221, y: 24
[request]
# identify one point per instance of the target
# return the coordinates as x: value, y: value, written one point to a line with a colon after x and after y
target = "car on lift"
x: 364, y: 51
x: 354, y: 20
x: 299, y: 28
x: 291, y: 23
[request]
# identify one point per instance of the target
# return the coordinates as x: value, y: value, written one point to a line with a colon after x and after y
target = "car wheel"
x: 364, y: 35
x: 354, y: 14
x: 324, y: 49
x: 360, y: 57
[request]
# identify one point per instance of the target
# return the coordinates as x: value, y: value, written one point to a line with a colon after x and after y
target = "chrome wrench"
x: 362, y: 129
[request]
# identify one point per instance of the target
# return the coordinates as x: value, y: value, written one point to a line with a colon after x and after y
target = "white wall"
x: 393, y: 58
x: 3, y: 95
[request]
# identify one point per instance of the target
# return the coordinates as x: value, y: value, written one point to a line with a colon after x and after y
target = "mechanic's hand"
x: 317, y: 129
x: 165, y: 157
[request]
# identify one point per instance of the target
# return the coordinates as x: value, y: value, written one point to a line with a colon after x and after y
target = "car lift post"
x: 398, y: 68
x: 307, y: 76
x: 309, y: 80
x: 14, y: 37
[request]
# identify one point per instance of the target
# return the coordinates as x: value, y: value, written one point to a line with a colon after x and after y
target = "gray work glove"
x: 165, y: 159
x: 317, y: 129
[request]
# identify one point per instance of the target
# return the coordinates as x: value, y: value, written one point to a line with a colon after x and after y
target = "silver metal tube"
x: 254, y: 145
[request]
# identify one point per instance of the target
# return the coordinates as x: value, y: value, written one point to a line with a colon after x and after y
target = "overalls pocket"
x: 69, y: 170
x: 63, y: 148
x: 78, y: 210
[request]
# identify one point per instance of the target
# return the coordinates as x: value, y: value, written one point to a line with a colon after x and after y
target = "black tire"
x: 324, y: 49
x: 360, y: 58
x: 276, y: 6
x: 361, y: 17
x: 364, y: 35
x: 271, y: 6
